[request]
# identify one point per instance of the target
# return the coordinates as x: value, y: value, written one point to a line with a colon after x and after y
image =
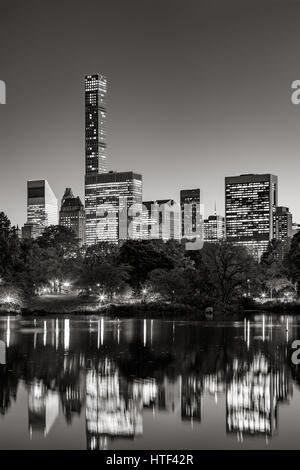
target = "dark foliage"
x: 219, y: 275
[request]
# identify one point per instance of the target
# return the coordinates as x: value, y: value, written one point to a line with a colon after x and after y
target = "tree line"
x: 220, y: 274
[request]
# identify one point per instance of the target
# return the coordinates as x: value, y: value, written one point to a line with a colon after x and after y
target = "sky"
x: 197, y: 90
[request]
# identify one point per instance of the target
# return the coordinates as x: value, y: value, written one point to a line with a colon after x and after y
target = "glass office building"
x: 95, y: 124
x: 214, y: 228
x: 250, y: 206
x: 111, y: 201
x: 42, y: 208
x: 283, y: 224
x: 192, y: 214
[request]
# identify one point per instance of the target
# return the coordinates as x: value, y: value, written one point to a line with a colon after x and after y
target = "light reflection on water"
x: 97, y: 383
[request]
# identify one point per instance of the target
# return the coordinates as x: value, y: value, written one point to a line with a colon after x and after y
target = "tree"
x: 230, y: 270
x: 292, y: 260
x: 106, y: 278
x: 177, y: 255
x: 62, y: 239
x: 102, y: 252
x: 174, y: 285
x: 274, y: 253
x: 32, y: 269
x: 48, y: 261
x: 272, y: 271
x: 146, y: 255
x: 279, y: 285
x: 9, y: 248
x: 61, y: 254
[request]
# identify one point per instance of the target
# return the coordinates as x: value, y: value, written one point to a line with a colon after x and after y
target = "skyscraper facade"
x: 283, y: 224
x: 42, y: 208
x: 214, y: 228
x: 95, y: 124
x: 250, y: 206
x: 191, y: 216
x: 111, y: 198
x: 161, y: 220
x: 72, y: 215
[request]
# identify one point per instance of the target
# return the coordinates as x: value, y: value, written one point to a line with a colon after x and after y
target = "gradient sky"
x: 198, y: 89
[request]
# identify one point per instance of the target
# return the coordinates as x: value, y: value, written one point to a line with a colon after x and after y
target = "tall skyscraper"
x: 72, y: 215
x: 214, y: 228
x: 108, y: 195
x: 191, y: 216
x: 42, y: 208
x: 250, y: 205
x: 283, y: 224
x: 108, y: 198
x: 95, y: 124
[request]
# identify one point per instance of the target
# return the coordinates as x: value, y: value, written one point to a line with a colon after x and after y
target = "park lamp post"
x: 144, y: 292
x: 66, y: 285
x: 249, y: 289
x: 263, y: 296
x: 101, y: 298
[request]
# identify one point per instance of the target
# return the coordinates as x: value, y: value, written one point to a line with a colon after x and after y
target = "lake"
x: 98, y: 383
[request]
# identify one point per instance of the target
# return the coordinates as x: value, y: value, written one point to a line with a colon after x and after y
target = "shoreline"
x: 53, y: 306
x: 153, y: 311
x: 137, y: 310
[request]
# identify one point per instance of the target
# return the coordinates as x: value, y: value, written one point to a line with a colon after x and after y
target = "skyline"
x: 149, y: 227
x: 180, y: 121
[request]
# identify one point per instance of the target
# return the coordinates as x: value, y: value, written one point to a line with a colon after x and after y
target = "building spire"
x: 67, y: 195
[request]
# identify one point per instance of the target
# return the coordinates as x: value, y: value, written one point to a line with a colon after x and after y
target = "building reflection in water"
x: 191, y: 398
x: 43, y: 408
x: 8, y: 332
x: 113, y: 372
x: 253, y: 395
x: 112, y: 409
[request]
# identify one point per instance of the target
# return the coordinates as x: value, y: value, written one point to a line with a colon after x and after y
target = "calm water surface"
x: 90, y: 383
